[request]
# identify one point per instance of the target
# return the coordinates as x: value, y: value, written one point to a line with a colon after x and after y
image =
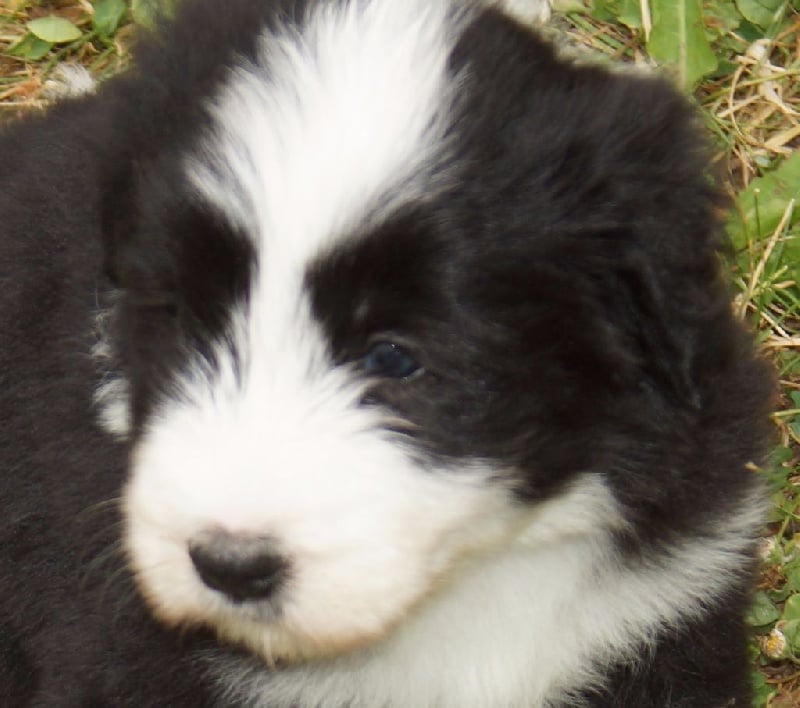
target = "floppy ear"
x: 672, y: 283
x: 119, y: 217
x: 664, y: 205
x: 665, y: 341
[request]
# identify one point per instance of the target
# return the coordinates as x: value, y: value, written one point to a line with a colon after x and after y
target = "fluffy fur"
x: 418, y: 380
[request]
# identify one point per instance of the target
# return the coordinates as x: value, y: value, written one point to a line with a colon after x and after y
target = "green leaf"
x: 603, y: 10
x: 763, y: 203
x: 762, y: 612
x: 54, y: 29
x: 783, y: 593
x: 791, y: 631
x: 30, y: 48
x: 749, y: 32
x: 678, y: 40
x: 761, y: 12
x: 791, y: 610
x: 781, y: 454
x: 148, y: 12
x: 762, y: 691
x: 564, y: 7
x: 720, y: 18
x: 630, y: 13
x: 107, y: 16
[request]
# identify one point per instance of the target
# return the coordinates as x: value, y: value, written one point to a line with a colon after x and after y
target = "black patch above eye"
x: 389, y: 360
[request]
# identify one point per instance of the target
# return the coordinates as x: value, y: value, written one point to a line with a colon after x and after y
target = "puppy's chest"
x: 509, y: 632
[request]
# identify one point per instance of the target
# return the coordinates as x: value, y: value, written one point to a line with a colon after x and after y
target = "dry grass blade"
x: 745, y: 300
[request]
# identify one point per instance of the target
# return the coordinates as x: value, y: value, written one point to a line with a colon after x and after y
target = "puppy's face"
x: 364, y: 312
x: 309, y: 396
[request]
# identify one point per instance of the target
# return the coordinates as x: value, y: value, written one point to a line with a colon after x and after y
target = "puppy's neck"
x: 526, y: 626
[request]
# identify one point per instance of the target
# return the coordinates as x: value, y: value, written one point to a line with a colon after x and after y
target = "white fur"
x: 68, y: 80
x: 332, y: 125
x: 350, y: 115
x: 368, y: 533
x: 342, y: 123
x: 112, y: 400
x: 524, y: 627
x: 111, y: 397
x: 330, y: 130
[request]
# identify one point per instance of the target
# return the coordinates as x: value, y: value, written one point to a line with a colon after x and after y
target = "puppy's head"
x: 383, y: 294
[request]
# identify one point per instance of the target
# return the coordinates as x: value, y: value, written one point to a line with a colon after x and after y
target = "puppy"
x: 416, y: 373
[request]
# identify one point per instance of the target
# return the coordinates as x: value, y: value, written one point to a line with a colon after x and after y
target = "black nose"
x: 241, y: 567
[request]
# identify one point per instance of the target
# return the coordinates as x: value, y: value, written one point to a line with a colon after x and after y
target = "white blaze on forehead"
x: 334, y: 118
x: 333, y: 124
x: 338, y: 121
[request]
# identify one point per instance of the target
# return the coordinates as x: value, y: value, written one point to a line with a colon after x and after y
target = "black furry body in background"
x: 596, y: 335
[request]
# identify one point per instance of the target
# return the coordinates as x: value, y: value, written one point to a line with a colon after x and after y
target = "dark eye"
x: 389, y: 360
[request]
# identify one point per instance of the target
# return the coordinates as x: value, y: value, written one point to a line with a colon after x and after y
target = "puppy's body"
x: 418, y: 358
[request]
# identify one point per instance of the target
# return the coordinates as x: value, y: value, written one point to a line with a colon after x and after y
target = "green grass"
x: 740, y: 60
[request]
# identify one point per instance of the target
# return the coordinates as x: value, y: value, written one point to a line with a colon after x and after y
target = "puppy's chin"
x: 279, y: 636
x: 278, y: 645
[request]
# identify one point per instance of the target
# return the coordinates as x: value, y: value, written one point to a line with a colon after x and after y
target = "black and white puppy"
x: 419, y: 380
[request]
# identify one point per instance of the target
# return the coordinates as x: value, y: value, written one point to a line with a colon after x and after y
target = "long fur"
x: 361, y: 353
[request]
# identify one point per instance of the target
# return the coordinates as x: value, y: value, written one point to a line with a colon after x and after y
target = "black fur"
x: 564, y: 299
x: 72, y: 632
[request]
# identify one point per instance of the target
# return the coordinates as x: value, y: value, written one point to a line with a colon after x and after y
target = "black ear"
x: 658, y: 192
x: 118, y: 218
x: 138, y: 195
x: 665, y: 341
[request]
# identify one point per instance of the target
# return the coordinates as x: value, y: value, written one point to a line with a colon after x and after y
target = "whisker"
x: 112, y: 531
x: 125, y: 599
x: 113, y: 550
x: 110, y: 580
x: 102, y: 506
